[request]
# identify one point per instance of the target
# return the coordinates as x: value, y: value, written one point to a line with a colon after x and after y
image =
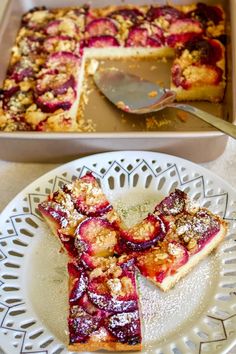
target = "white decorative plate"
x: 197, y: 316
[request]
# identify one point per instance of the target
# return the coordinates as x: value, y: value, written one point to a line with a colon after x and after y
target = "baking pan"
x: 164, y: 131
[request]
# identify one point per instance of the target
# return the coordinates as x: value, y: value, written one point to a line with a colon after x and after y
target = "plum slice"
x: 125, y: 327
x: 207, y: 14
x: 64, y: 26
x: 79, y: 287
x: 210, y: 51
x: 144, y: 235
x: 183, y: 30
x: 82, y: 326
x: 21, y: 70
x: 101, y: 26
x: 55, y: 213
x: 173, y: 204
x: 196, y: 75
x: 66, y: 62
x: 55, y: 81
x: 102, y: 41
x: 196, y: 230
x: 88, y: 197
x: 133, y: 14
x: 61, y: 43
x: 96, y: 236
x: 145, y: 36
x: 158, y: 263
x: 31, y: 44
x: 168, y: 12
x: 48, y: 102
x: 113, y: 294
x: 137, y: 37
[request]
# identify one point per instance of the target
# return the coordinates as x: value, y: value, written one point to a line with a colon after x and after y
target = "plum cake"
x: 44, y: 82
x: 104, y: 256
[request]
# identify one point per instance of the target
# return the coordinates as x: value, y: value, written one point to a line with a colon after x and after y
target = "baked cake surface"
x: 104, y: 255
x: 43, y: 84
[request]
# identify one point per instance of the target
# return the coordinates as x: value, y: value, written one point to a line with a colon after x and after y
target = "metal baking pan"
x: 164, y: 131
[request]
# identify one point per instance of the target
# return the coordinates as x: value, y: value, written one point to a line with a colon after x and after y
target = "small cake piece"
x: 78, y: 206
x: 198, y: 71
x: 103, y: 306
x: 192, y: 234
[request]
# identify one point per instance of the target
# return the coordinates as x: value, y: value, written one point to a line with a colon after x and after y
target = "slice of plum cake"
x: 78, y: 206
x: 191, y: 233
x: 103, y: 305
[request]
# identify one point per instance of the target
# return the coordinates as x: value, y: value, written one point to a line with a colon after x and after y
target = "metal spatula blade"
x: 129, y: 92
x: 132, y: 94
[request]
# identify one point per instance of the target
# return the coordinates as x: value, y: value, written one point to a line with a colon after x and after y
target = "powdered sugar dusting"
x: 167, y: 314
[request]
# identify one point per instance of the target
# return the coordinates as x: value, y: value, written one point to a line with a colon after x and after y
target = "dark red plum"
x: 134, y: 15
x: 56, y: 82
x: 55, y: 43
x: 173, y: 204
x: 64, y: 62
x: 96, y: 236
x: 125, y: 327
x: 169, y: 12
x: 58, y: 27
x: 102, y: 41
x: 82, y: 326
x: 79, y: 288
x: 200, y: 228
x: 21, y: 70
x: 137, y: 37
x: 101, y: 26
x: 144, y: 235
x: 100, y: 296
x: 88, y: 197
x: 55, y: 214
x: 207, y: 14
x: 49, y: 103
x: 210, y: 50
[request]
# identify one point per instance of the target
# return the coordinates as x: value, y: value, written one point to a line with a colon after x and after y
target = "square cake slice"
x: 103, y: 305
x: 78, y: 206
x: 192, y: 233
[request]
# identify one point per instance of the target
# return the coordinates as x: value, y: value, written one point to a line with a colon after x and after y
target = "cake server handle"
x: 224, y: 126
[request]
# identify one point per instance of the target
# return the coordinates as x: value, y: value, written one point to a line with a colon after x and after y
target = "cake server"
x: 133, y: 94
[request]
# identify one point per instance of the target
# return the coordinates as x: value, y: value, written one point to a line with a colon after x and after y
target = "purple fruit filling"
x: 49, y: 102
x: 125, y: 327
x: 207, y: 14
x: 79, y: 288
x: 210, y: 51
x: 137, y: 37
x: 82, y: 326
x: 181, y: 38
x: 173, y: 204
x: 96, y: 236
x: 64, y: 62
x: 101, y: 26
x: 128, y: 14
x: 102, y: 41
x: 56, y: 82
x: 200, y: 227
x: 55, y: 213
x: 143, y: 236
x: 58, y: 27
x: 55, y: 43
x: 169, y: 12
x: 111, y: 304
